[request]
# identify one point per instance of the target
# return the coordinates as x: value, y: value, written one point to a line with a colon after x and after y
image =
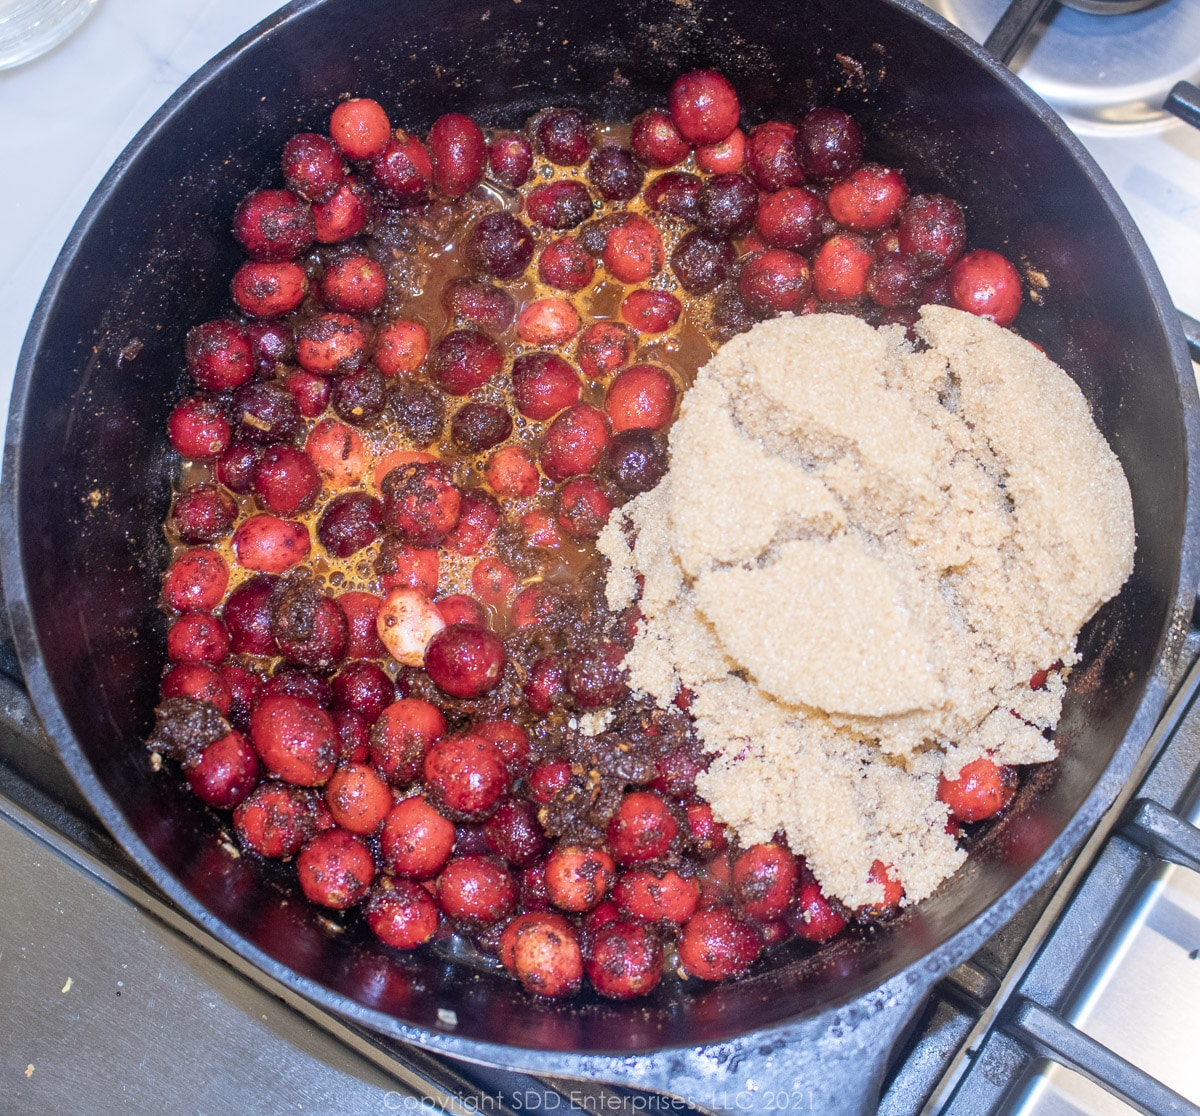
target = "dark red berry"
x: 420, y: 502
x: 401, y: 914
x: 794, y: 218
x: 403, y: 171
x: 636, y: 461
x: 704, y: 106
x: 625, y: 960
x: 575, y: 442
x: 932, y: 231
x: 702, y: 262
x: 266, y: 413
x: 479, y: 426
x: 564, y: 136
x: 266, y: 290
x: 465, y: 661
x: 543, y: 385
x: 335, y: 869
x: 218, y: 355
x: 474, y: 302
x: 198, y: 428
x: 286, y: 481
x: 354, y: 284
x: 459, y: 152
x: 676, y: 194
x: 203, y: 513
x: 771, y: 157
x: 716, y: 945
x: 829, y: 143
x: 498, y: 245
x: 273, y: 225
x: 510, y: 158
x: 565, y: 265
x: 312, y: 166
x: 350, y: 521
x: 559, y: 205
x: 296, y: 740
x: 656, y: 141
x: 641, y: 829
x: 727, y: 204
x: 464, y: 360
x: 774, y: 281
x: 615, y: 175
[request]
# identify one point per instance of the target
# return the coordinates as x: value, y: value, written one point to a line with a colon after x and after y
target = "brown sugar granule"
x: 857, y: 560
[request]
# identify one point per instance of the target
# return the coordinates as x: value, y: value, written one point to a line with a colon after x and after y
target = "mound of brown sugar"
x: 857, y: 560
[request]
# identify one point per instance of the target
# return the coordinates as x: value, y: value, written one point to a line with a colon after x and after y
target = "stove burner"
x: 1100, y: 73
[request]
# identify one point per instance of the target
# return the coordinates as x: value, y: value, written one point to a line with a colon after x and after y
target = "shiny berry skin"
x: 218, y: 355
x: 196, y: 580
x: 704, y: 106
x: 286, y: 481
x: 359, y: 395
x: 203, y: 513
x: 197, y: 637
x: 535, y: 604
x: 363, y: 687
x: 225, y: 773
x: 476, y: 889
x: 985, y: 283
x: 564, y: 136
x: 547, y: 779
x: 420, y: 503
x: 402, y: 171
x: 615, y: 174
x: 335, y: 869
x: 652, y: 897
x: 565, y: 265
x: 459, y: 153
x: 540, y: 529
x: 577, y: 878
x: 401, y: 914
x: 479, y: 426
x: 727, y: 204
x: 418, y: 412
x: 933, y: 232
x: 650, y: 311
x: 641, y: 397
x: 479, y: 516
x: 200, y: 682
x: 360, y: 127
x: 464, y: 360
x: 794, y: 218
x: 358, y: 798
x: 353, y: 284
x: 265, y: 413
x: 636, y: 460
x: 311, y: 391
x: 338, y: 451
x: 595, y: 675
x: 344, y: 215
x: 676, y: 194
x: 266, y: 290
x: 276, y: 819
x: 268, y: 544
x: 273, y: 225
x: 492, y: 581
x: 401, y: 737
x: 499, y: 245
x: 361, y: 610
x: 707, y: 835
x: 320, y: 643
x: 575, y: 442
x: 350, y: 521
x: 295, y: 682
x: 641, y: 829
x: 771, y: 157
x: 465, y: 661
x: 248, y: 617
x: 726, y: 157
x: 312, y: 167
x: 633, y: 251
x: 514, y: 833
x: 416, y: 840
x: 332, y: 342
x: 764, y: 877
x: 543, y: 385
x: 829, y: 143
x: 559, y: 205
x: 716, y: 945
x: 547, y: 321
x: 235, y: 467
x: 893, y: 892
x: 510, y: 739
x: 506, y: 946
x: 811, y: 916
x: 583, y: 508
x: 625, y: 960
x: 547, y: 959
x: 894, y: 281
x: 272, y: 343
x: 545, y: 689
x: 774, y: 282
x: 510, y: 158
x: 840, y: 267
x: 982, y: 789
x: 296, y: 740
x: 656, y: 141
x: 354, y: 736
x: 603, y: 347
x: 478, y: 303
x: 512, y: 472
x: 399, y: 347
x: 869, y: 199
x: 198, y: 428
x: 702, y: 262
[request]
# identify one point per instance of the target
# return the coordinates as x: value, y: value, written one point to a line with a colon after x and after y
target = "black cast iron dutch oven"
x: 86, y: 485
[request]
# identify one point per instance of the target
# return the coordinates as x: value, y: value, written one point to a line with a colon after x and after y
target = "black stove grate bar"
x: 1055, y: 1039
x: 1184, y: 102
x: 1163, y: 833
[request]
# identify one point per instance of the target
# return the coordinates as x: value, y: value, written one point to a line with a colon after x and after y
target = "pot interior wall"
x: 154, y: 255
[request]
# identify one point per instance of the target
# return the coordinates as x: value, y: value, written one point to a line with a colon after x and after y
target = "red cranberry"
x: 982, y: 789
x: 565, y: 265
x: 985, y: 283
x: 364, y: 687
x: 774, y: 281
x: 511, y: 472
x: 218, y: 355
x: 269, y: 544
x: 541, y: 949
x: 493, y: 581
x: 358, y: 798
x: 641, y: 397
x: 401, y: 914
x: 603, y: 348
x: 197, y: 637
x: 295, y: 682
x: 933, y: 232
x: 634, y: 250
x: 416, y: 840
x: 771, y: 156
x: 676, y: 194
x: 353, y: 284
x: 625, y: 960
x: 510, y: 158
x: 266, y: 413
x: 354, y: 736
x: 793, y: 218
x: 360, y: 610
x: 401, y: 566
x: 402, y: 171
x: 716, y: 945
x: 331, y: 342
x: 675, y: 772
x: 577, y: 878
x: 198, y: 428
x: 543, y: 385
x: 419, y: 412
x: 321, y: 642
x: 335, y: 869
x: 462, y: 608
x: 459, y: 151
x: 473, y: 302
x: 272, y: 343
x: 225, y: 773
x: 464, y: 360
x: 479, y: 426
x: 498, y: 245
x: 420, y: 502
x: 725, y: 157
x: 276, y: 819
x: 310, y: 390
x: 642, y: 828
x: 286, y: 481
x: 869, y: 199
x: 400, y: 347
x: 196, y: 581
x: 402, y: 736
x: 511, y: 740
x: 615, y: 174
x: 266, y: 290
x: 667, y: 897
x: 203, y: 513
x: 561, y: 204
x: 296, y: 740
x: 702, y: 262
x: 235, y: 468
x: 350, y: 521
x: 704, y: 106
x: 479, y: 516
x: 575, y: 442
x: 812, y: 917
x: 829, y: 143
x: 514, y: 832
x: 476, y: 889
x: 650, y: 311
x: 312, y: 166
x: 583, y: 508
x: 247, y: 616
x: 656, y: 141
x: 727, y: 204
x: 465, y: 661
x: 564, y: 136
x: 544, y: 689
x: 893, y: 893
x: 894, y: 281
x: 547, y: 321
x: 595, y: 675
x: 636, y: 461
x: 344, y: 215
x: 360, y: 127
x: 273, y: 225
x: 764, y: 877
x: 840, y: 267
x: 200, y: 682
x: 547, y: 779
